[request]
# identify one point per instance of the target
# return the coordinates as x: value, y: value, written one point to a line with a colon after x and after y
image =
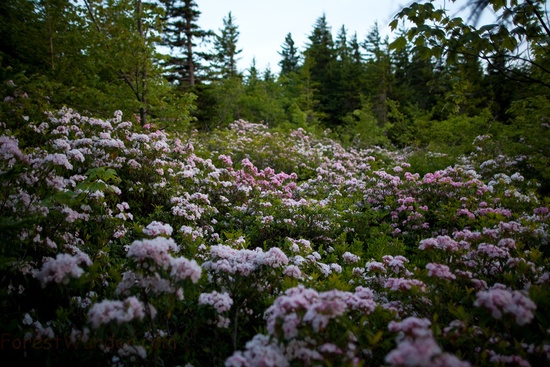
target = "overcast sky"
x: 264, y: 24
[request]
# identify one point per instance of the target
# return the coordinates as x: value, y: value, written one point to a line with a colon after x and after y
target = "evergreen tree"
x: 502, y: 87
x: 401, y: 62
x: 183, y: 34
x: 262, y: 101
x: 413, y: 76
x: 290, y: 56
x: 305, y: 107
x: 268, y: 75
x: 341, y: 47
x: 350, y: 74
x: 226, y: 48
x: 21, y: 37
x: 253, y: 73
x: 460, y: 83
x: 378, y: 73
x: 321, y: 58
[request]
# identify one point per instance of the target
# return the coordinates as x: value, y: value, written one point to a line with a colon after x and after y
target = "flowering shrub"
x: 123, y: 245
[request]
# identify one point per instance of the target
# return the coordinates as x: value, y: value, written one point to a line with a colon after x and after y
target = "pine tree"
x: 290, y: 56
x: 253, y: 74
x: 350, y: 74
x: 378, y: 73
x: 182, y: 33
x: 502, y: 86
x: 466, y: 93
x: 226, y: 48
x: 401, y: 62
x: 342, y: 49
x: 321, y: 58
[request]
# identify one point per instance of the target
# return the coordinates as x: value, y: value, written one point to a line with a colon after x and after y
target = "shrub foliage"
x: 126, y: 245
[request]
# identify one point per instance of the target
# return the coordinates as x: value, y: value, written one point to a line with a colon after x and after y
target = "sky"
x: 264, y: 24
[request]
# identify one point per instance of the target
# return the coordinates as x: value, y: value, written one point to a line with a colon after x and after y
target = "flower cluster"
x: 335, y: 252
x: 222, y: 302
x: 501, y: 301
x: 416, y: 346
x: 119, y: 311
x: 62, y: 268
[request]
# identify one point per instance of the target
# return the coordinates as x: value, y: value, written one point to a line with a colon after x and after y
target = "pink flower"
x: 226, y: 160
x: 375, y: 267
x: 396, y: 264
x: 9, y: 150
x: 492, y: 251
x: 444, y: 243
x: 59, y: 270
x: 220, y: 301
x: 119, y: 311
x: 329, y: 305
x: 507, y: 243
x: 466, y: 212
x: 362, y: 299
x: 59, y: 160
x: 330, y: 348
x: 416, y: 346
x: 155, y: 228
x: 260, y: 351
x: 500, y: 301
x: 449, y: 360
x: 440, y: 271
x: 275, y: 258
x: 350, y: 258
x: 182, y: 268
x: 413, y: 353
x: 293, y: 271
x: 411, y: 327
x: 508, y: 360
x: 402, y: 284
x: 157, y: 249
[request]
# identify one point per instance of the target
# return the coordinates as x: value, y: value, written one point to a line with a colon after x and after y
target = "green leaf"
x: 374, y: 340
x: 398, y: 44
x: 488, y: 27
x: 509, y: 43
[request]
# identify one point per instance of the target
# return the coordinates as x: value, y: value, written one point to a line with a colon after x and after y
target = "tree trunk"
x: 143, y: 74
x: 189, y: 44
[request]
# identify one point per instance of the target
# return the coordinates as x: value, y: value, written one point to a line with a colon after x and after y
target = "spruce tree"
x: 321, y: 58
x: 182, y: 34
x: 349, y: 74
x: 379, y: 73
x: 226, y: 48
x: 290, y: 56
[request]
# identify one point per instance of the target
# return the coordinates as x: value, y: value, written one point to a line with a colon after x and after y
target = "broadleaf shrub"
x: 124, y: 245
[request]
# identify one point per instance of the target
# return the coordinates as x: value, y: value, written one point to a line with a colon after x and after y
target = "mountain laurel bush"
x: 124, y: 245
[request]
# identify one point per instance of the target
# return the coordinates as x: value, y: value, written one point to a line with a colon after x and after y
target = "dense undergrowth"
x: 249, y: 246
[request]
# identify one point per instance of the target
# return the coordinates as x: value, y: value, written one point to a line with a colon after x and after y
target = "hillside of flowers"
x: 125, y: 246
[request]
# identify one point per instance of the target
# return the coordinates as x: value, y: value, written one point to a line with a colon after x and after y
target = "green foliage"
x: 455, y: 134
x: 362, y: 129
x: 238, y: 190
x: 528, y: 136
x: 226, y: 48
x: 436, y: 34
x: 344, y: 231
x: 182, y: 34
x: 290, y: 57
x: 424, y: 161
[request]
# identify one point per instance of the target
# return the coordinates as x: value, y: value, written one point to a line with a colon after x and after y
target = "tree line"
x: 103, y: 55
